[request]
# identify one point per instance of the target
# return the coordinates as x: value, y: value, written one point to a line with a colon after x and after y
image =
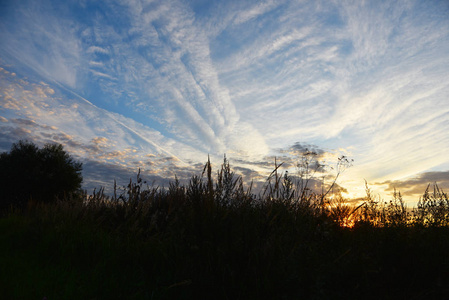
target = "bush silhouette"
x: 28, y: 172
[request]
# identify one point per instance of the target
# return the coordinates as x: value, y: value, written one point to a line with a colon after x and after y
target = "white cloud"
x: 96, y: 49
x: 254, y: 11
x: 103, y: 75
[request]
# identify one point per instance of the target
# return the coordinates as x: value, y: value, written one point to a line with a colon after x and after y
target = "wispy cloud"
x: 181, y: 80
x: 371, y: 71
x: 43, y: 41
x: 254, y: 11
x: 45, y: 116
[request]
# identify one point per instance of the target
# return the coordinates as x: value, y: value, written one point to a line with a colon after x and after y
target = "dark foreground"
x: 219, y: 242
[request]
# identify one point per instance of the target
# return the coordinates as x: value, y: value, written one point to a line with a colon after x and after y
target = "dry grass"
x: 214, y: 238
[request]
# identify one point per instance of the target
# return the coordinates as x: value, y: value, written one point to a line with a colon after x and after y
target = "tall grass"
x: 214, y: 238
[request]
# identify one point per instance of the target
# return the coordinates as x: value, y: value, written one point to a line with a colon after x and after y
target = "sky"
x: 160, y: 85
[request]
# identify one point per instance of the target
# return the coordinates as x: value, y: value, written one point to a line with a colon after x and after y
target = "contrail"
x: 119, y: 122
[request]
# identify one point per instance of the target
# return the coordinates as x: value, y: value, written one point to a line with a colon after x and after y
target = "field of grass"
x: 213, y: 239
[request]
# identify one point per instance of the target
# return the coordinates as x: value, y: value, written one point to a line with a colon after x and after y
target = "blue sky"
x: 161, y: 84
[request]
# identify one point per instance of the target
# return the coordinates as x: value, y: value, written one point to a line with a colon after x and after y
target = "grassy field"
x: 212, y: 239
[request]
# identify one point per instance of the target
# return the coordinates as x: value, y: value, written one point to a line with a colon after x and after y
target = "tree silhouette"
x: 28, y: 172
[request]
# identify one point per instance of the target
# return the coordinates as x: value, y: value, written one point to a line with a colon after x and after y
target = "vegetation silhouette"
x: 40, y: 175
x: 214, y: 238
